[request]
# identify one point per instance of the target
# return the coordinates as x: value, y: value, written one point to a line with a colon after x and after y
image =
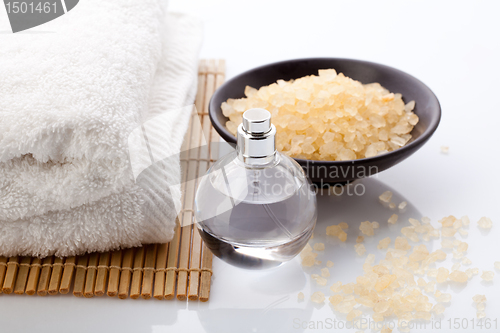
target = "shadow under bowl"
x: 331, y: 172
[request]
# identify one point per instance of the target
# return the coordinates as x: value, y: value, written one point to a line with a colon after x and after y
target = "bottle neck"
x: 256, y: 149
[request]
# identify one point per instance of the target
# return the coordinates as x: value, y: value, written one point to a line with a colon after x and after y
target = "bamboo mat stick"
x: 172, y: 260
x: 43, y: 283
x: 11, y: 275
x: 161, y: 264
x: 57, y: 273
x: 91, y: 275
x: 22, y: 275
x: 81, y: 270
x: 149, y: 269
x: 114, y: 273
x: 206, y: 274
x: 3, y: 269
x: 124, y: 287
x: 102, y: 274
x: 67, y: 276
x: 204, y: 155
x: 135, y: 289
x: 34, y: 275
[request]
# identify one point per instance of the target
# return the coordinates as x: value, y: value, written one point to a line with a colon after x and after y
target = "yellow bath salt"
x: 329, y: 116
x: 300, y: 296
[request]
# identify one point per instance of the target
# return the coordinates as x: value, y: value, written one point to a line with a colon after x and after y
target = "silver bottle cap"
x: 256, y: 137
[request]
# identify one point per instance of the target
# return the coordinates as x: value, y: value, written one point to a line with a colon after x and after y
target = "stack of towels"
x: 72, y: 91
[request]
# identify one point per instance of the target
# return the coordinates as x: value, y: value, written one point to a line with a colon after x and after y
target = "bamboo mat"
x: 181, y: 268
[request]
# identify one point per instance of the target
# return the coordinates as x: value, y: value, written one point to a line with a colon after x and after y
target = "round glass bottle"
x: 255, y: 208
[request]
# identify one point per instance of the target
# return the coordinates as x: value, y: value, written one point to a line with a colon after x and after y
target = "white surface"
x: 452, y: 47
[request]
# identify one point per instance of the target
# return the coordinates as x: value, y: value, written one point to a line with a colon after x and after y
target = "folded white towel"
x: 69, y: 99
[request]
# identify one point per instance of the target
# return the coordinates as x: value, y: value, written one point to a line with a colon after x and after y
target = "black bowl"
x: 329, y: 172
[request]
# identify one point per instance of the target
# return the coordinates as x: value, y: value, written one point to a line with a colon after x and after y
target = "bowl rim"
x: 434, y: 123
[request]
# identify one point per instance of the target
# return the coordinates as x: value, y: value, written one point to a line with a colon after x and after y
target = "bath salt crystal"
x: 463, y: 232
x: 370, y: 259
x: 466, y: 261
x: 469, y: 272
x: 401, y: 243
x: 448, y: 232
x: 333, y: 230
x: 381, y: 306
x: 360, y: 249
x: 446, y: 244
x: 444, y: 298
x: 342, y: 236
x: 402, y: 205
x: 300, y: 296
x: 375, y: 225
x: 325, y: 272
x: 475, y: 271
x: 250, y: 91
x: 386, y: 196
x: 393, y: 219
x: 438, y: 309
x: 336, y: 299
x: 409, y: 106
x: 455, y: 266
x: 457, y: 224
x: 497, y: 265
x: 343, y: 225
x: 462, y: 247
x: 317, y: 262
x: 465, y: 220
x: 392, y: 205
x: 384, y: 243
x: 432, y: 272
x: 353, y: 314
x: 336, y: 287
x: 329, y: 264
x: 459, y: 276
x: 457, y: 255
x: 445, y: 149
x: 366, y: 228
x: 321, y: 281
x: 426, y: 220
x: 319, y: 247
x: 456, y: 242
x: 414, y: 222
x: 479, y: 298
x: 318, y: 297
x: 348, y: 289
x: 480, y: 306
x: 384, y: 281
x: 308, y: 261
x: 386, y: 330
x: 481, y: 314
x: 485, y: 223
x: 360, y: 239
x: 487, y: 275
x: 442, y: 275
x: 447, y: 221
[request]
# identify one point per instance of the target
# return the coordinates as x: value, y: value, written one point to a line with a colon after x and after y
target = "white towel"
x: 69, y: 98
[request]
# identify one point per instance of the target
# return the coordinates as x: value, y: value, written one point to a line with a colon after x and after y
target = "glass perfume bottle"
x: 255, y: 208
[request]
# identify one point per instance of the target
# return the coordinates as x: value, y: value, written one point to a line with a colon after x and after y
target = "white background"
x: 451, y: 46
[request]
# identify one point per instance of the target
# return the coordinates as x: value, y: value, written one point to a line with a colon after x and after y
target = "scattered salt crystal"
x: 426, y: 220
x: 353, y: 314
x: 321, y: 281
x: 319, y: 246
x: 366, y: 228
x: 446, y: 244
x: 300, y: 296
x: 487, y: 275
x: 438, y: 309
x: 343, y: 225
x: 469, y: 272
x: 370, y: 259
x: 479, y: 298
x: 360, y: 239
x: 308, y: 261
x: 466, y: 261
x: 386, y: 196
x: 475, y: 271
x: 392, y: 205
x: 485, y: 223
x: 432, y: 272
x: 442, y: 275
x: 336, y: 287
x: 375, y: 225
x: 342, y: 236
x: 459, y: 276
x: 445, y: 149
x: 481, y: 314
x: 462, y: 247
x: 360, y: 249
x: 329, y: 264
x: 393, y: 219
x: 336, y: 299
x: 448, y: 232
x: 465, y: 220
x: 444, y: 298
x: 480, y: 306
x: 463, y: 232
x: 325, y: 272
x: 384, y: 243
x: 402, y: 205
x: 414, y: 222
x: 455, y: 266
x: 318, y: 297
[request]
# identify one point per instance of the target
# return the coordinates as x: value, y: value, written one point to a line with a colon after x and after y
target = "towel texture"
x: 69, y: 99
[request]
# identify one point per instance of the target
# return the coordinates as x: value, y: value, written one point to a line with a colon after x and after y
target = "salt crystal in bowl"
x: 331, y: 172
